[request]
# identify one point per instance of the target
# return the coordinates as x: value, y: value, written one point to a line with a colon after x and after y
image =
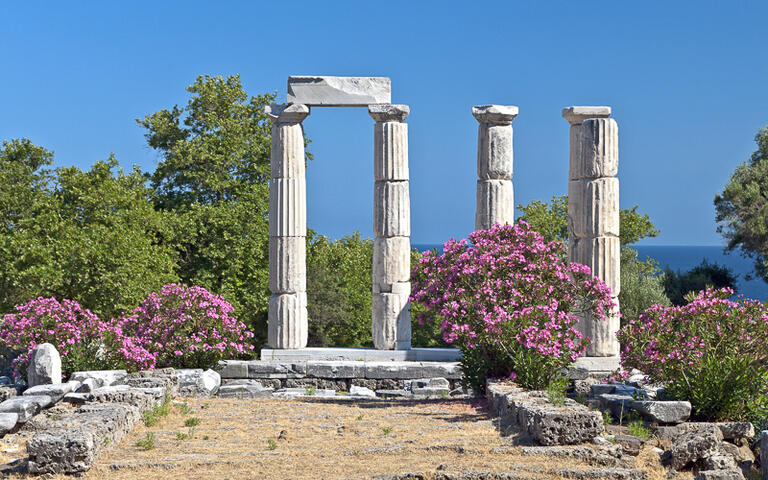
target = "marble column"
x: 391, y: 320
x: 287, y: 312
x: 495, y: 194
x: 593, y: 213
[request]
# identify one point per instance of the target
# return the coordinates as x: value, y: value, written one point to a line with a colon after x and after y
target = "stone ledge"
x: 399, y: 370
x: 361, y: 354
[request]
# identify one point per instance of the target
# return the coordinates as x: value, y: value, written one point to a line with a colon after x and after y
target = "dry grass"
x: 322, y: 440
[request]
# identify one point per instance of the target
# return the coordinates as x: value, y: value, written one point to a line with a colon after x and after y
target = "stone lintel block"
x: 391, y: 320
x: 602, y: 255
x: 288, y: 207
x: 593, y: 208
x: 101, y: 378
x: 287, y: 264
x: 602, y: 332
x: 292, y: 112
x: 336, y: 369
x: 577, y: 114
x: 271, y: 369
x: 596, y: 150
x: 450, y: 371
x: 495, y: 114
x: 287, y: 151
x: 391, y: 262
x: 328, y: 91
x: 390, y: 151
x: 495, y: 154
x: 232, y: 368
x: 391, y: 209
x: 387, y: 112
x: 394, y: 370
x: 495, y: 203
x: 287, y: 316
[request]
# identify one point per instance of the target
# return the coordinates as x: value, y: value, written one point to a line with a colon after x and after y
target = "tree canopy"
x: 742, y: 207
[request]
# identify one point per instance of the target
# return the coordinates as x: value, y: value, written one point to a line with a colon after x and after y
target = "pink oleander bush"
x: 183, y: 327
x: 77, y: 334
x: 509, y: 302
x: 712, y: 352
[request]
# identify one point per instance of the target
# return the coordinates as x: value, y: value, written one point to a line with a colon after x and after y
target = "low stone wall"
x: 547, y: 424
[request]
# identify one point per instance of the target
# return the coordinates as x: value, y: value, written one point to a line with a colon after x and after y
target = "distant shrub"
x: 185, y: 327
x: 509, y: 302
x: 77, y: 334
x: 711, y: 352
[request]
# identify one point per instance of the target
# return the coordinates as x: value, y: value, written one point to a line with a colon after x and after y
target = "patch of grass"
x: 151, y: 417
x: 181, y: 436
x: 206, y: 437
x: 192, y: 422
x: 607, y: 418
x: 271, y: 444
x: 148, y: 442
x: 183, y: 408
x: 359, y: 417
x: 386, y: 430
x: 581, y: 398
x: 107, y: 441
x: 637, y: 429
x: 310, y: 390
x: 556, y: 391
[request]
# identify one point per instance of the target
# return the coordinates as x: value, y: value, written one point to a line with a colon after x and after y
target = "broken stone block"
x: 24, y: 407
x: 101, y: 378
x: 55, y: 391
x: 692, y: 447
x: 663, y: 411
x: 330, y: 91
x: 361, y: 391
x: 44, y: 366
x: 8, y: 422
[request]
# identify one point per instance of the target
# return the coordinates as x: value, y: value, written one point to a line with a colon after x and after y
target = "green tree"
x: 642, y: 283
x: 213, y: 178
x: 742, y: 208
x: 677, y: 285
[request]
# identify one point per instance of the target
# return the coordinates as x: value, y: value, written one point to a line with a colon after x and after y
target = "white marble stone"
x: 495, y: 114
x: 577, y: 114
x: 593, y: 208
x: 288, y: 207
x: 390, y: 312
x: 390, y: 151
x: 293, y: 112
x: 602, y: 332
x: 391, y: 209
x: 44, y: 366
x: 328, y: 91
x: 288, y: 326
x: 495, y: 203
x: 287, y: 264
x: 387, y: 112
x: 596, y: 152
x: 391, y: 262
x: 287, y: 151
x: 494, y: 152
x: 601, y: 255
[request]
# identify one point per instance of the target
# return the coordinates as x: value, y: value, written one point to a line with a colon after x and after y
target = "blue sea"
x: 686, y: 257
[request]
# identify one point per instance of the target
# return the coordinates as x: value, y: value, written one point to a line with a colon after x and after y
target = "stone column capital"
x: 287, y: 112
x: 577, y: 114
x: 495, y: 114
x: 387, y: 112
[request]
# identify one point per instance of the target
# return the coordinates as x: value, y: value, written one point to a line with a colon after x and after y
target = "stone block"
x: 328, y: 91
x: 390, y: 151
x: 663, y: 411
x: 76, y: 398
x: 730, y: 474
x: 56, y: 391
x: 390, y: 314
x: 24, y: 407
x: 244, y: 391
x: 268, y: 369
x: 577, y: 114
x: 691, y: 447
x: 232, y: 368
x: 288, y: 327
x: 388, y: 112
x: 195, y: 382
x: 101, y: 378
x: 495, y: 203
x: 395, y: 370
x: 495, y: 154
x: 596, y: 150
x: 495, y: 114
x: 593, y: 208
x: 391, y: 263
x: 8, y: 422
x: 602, y: 333
x: 44, y: 366
x: 287, y: 112
x: 602, y: 255
x: 287, y: 151
x: 391, y: 209
x: 357, y: 391
x: 288, y: 207
x: 287, y: 264
x: 336, y: 369
x: 450, y: 371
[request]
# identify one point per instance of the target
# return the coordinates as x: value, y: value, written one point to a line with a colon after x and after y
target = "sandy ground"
x: 295, y: 439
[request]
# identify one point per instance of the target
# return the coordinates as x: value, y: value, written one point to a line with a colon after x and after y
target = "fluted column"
x: 287, y: 313
x: 593, y: 213
x: 495, y: 194
x: 391, y: 320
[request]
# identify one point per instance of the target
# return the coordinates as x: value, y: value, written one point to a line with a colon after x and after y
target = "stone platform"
x: 361, y: 355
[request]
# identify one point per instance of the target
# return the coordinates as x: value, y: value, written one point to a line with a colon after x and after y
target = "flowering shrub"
x: 510, y: 303
x: 711, y: 352
x: 182, y: 327
x: 76, y: 333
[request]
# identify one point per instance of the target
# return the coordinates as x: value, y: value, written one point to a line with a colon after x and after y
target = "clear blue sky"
x: 688, y: 83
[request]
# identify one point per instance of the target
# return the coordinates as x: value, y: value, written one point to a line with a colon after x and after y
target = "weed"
x: 556, y: 391
x: 153, y: 416
x: 148, y: 443
x: 150, y: 420
x: 206, y: 437
x: 612, y: 440
x: 205, y: 405
x: 271, y: 444
x: 386, y: 430
x: 360, y: 417
x: 581, y: 398
x: 310, y: 390
x: 181, y: 436
x: 637, y: 429
x: 443, y: 394
x: 192, y: 422
x: 183, y: 408
x: 607, y: 418
x: 107, y: 441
